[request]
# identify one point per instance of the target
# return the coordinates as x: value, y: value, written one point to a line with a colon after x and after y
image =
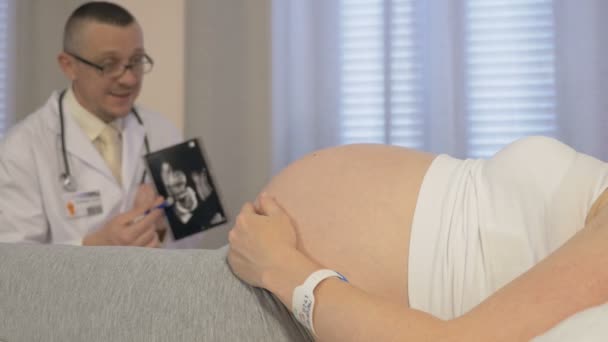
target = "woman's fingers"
x: 268, y: 205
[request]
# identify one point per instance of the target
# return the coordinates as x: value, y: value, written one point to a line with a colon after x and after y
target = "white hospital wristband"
x: 303, y: 300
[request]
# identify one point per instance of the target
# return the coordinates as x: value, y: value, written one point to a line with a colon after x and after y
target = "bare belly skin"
x: 353, y: 208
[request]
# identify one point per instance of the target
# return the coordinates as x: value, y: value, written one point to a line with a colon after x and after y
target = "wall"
x: 38, y: 41
x: 228, y: 96
x: 163, y: 25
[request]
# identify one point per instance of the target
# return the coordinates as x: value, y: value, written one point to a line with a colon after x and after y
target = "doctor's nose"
x: 130, y: 77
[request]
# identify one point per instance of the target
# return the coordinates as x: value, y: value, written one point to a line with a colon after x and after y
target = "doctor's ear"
x: 67, y: 65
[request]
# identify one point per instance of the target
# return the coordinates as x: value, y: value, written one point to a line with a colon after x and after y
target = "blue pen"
x: 165, y: 204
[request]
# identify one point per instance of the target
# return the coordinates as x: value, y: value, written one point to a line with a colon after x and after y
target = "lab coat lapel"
x: 80, y: 146
x: 132, y: 151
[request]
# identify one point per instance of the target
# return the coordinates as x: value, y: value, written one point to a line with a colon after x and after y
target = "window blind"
x: 380, y: 75
x: 509, y: 72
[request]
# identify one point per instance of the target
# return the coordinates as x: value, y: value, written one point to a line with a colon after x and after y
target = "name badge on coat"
x: 82, y: 204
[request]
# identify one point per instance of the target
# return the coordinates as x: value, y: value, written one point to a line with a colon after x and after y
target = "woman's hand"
x: 260, y: 240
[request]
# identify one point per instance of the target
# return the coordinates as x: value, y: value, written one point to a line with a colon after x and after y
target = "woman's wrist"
x: 290, y: 271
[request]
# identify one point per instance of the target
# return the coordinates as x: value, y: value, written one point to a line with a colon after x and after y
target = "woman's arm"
x: 263, y: 253
x: 573, y: 278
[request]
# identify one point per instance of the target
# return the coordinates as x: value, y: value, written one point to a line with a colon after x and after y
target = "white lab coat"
x: 32, y: 198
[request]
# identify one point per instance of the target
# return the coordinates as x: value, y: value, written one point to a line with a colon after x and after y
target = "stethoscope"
x: 66, y: 178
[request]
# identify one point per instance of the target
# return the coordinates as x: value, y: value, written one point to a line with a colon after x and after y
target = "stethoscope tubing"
x: 66, y: 176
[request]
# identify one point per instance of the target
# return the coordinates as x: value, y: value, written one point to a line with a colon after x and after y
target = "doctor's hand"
x: 132, y: 228
x: 144, y: 198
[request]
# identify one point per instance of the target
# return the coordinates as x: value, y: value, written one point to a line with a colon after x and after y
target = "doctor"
x: 72, y: 172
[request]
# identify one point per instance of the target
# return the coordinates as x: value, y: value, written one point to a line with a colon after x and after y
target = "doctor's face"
x: 105, y: 95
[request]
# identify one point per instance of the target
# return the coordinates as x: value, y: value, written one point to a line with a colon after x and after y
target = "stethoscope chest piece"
x: 68, y: 182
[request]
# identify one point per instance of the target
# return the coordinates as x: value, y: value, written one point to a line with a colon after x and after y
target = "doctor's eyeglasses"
x: 139, y: 65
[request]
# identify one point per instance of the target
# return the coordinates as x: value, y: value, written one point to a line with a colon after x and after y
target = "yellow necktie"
x: 109, y: 144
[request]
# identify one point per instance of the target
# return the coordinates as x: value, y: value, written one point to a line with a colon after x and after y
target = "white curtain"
x: 582, y: 74
x: 7, y: 48
x: 462, y: 77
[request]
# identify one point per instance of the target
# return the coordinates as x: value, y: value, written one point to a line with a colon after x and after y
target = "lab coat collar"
x: 132, y: 149
x: 80, y: 146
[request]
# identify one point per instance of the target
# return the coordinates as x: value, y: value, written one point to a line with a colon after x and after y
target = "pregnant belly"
x: 353, y: 208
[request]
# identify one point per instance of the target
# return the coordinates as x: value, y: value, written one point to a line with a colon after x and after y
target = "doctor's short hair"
x: 99, y: 11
